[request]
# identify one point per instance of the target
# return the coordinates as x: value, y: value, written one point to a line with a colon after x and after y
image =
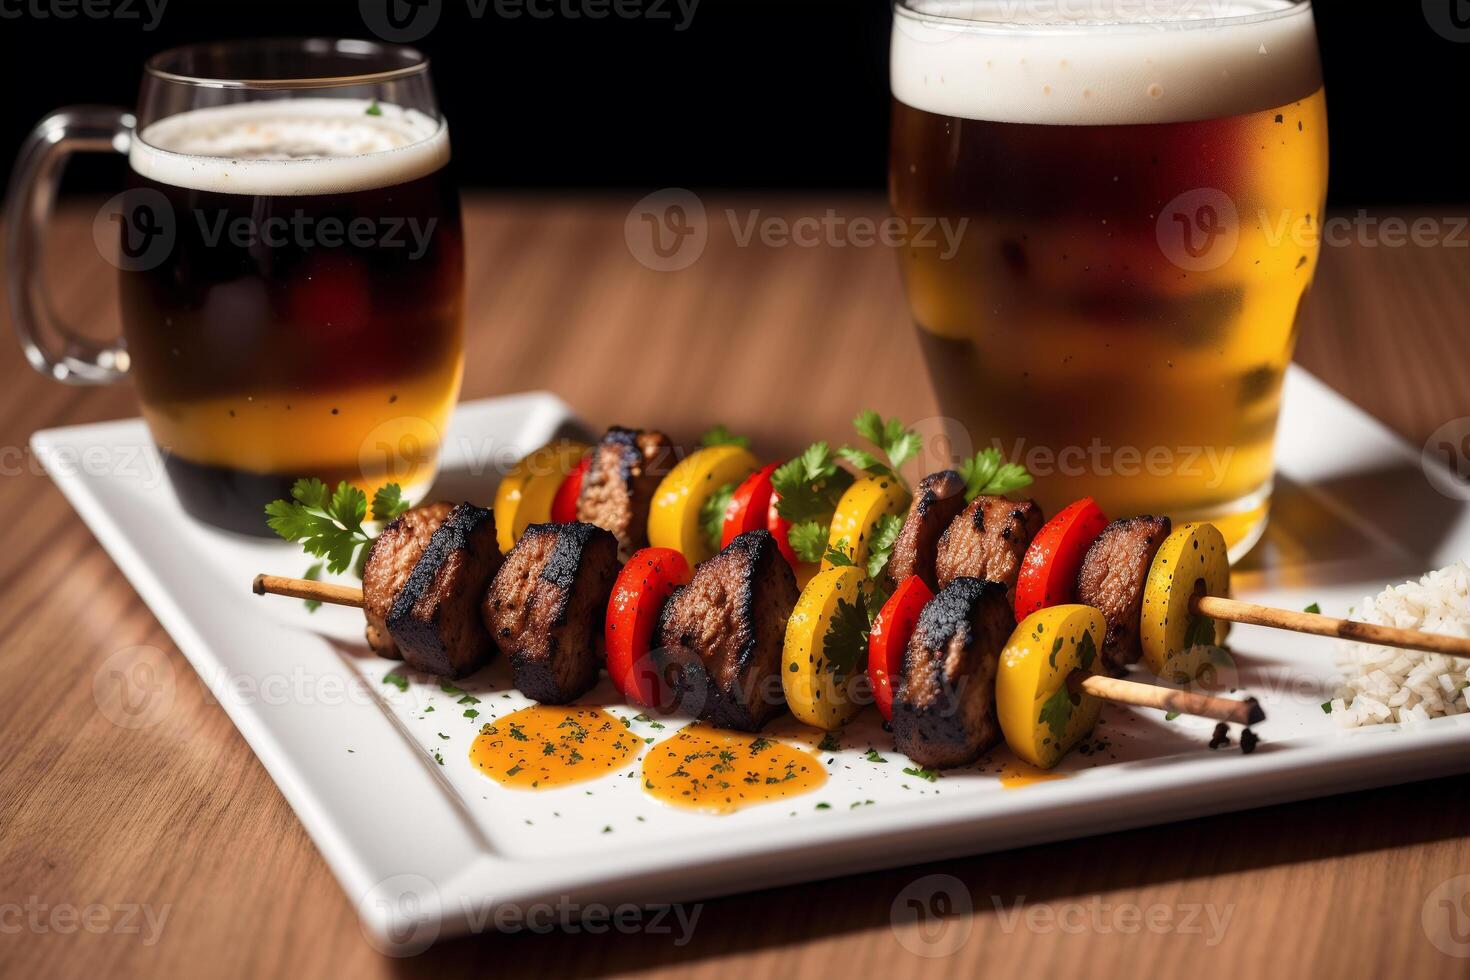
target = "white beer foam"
x: 1103, y: 62
x: 291, y: 147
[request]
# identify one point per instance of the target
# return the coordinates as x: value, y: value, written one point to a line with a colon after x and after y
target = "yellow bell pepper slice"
x: 525, y: 493
x: 1037, y: 712
x: 673, y: 519
x: 855, y: 521
x: 1192, y: 556
x: 819, y: 688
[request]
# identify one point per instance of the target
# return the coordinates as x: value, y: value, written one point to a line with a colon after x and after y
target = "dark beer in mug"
x: 292, y: 298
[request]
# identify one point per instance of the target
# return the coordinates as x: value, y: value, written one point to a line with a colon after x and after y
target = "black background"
x: 758, y: 94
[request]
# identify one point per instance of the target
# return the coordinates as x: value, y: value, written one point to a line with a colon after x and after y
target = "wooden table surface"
x: 782, y: 343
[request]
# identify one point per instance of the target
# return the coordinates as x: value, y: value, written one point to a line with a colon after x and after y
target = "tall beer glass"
x: 291, y: 267
x: 1140, y: 183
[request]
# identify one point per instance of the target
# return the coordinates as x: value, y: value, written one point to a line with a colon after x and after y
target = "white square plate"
x: 428, y: 846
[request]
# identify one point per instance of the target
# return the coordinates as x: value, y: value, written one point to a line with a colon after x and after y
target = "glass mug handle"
x: 28, y: 208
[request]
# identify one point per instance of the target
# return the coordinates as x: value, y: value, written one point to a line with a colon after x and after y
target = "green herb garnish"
x: 880, y: 547
x: 721, y: 436
x: 328, y: 523
x: 896, y: 443
x: 810, y: 486
x: 988, y: 473
x: 928, y: 774
x: 712, y: 515
x: 845, y: 645
x: 809, y: 540
x: 1314, y: 608
x: 837, y: 555
x: 1056, y: 712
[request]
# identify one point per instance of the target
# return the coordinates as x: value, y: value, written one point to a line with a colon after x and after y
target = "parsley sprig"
x: 896, y: 444
x: 988, y: 473
x: 845, y: 645
x: 880, y: 549
x: 809, y: 487
x: 328, y: 523
x: 721, y: 436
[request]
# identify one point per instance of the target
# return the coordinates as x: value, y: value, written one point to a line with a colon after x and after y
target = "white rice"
x: 1384, y: 684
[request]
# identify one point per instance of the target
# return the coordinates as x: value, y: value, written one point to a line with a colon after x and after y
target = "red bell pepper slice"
x: 564, y: 504
x: 1048, y: 574
x: 749, y: 506
x: 780, y: 529
x: 638, y: 595
x: 890, y: 636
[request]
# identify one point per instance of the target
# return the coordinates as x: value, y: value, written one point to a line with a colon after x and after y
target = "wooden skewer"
x: 1107, y: 688
x: 1234, y: 611
x: 300, y: 588
x: 1247, y: 712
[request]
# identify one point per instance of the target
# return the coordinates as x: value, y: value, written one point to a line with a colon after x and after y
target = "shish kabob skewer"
x: 615, y: 488
x: 1099, y: 686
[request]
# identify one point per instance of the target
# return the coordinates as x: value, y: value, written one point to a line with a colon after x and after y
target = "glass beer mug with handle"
x: 1140, y: 184
x: 291, y: 263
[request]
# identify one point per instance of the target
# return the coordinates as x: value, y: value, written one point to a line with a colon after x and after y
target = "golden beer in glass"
x: 1137, y: 187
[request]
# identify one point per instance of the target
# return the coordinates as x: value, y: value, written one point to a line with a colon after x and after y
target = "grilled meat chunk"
x: 627, y: 465
x: 390, y: 561
x: 434, y: 618
x: 546, y: 606
x: 944, y: 713
x: 939, y: 497
x: 720, y: 636
x: 987, y: 541
x: 1111, y: 579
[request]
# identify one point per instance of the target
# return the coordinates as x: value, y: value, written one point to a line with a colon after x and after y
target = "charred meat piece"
x: 434, y: 618
x: 1111, y: 579
x: 987, y: 541
x: 944, y: 713
x: 546, y: 607
x: 390, y: 561
x: 626, y: 468
x: 939, y: 497
x: 720, y: 636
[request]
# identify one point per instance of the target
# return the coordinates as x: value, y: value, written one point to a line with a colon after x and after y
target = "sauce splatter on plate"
x: 704, y: 768
x: 546, y: 745
x: 1016, y: 774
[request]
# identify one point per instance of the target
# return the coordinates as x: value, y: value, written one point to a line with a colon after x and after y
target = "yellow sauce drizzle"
x: 705, y: 768
x: 545, y: 745
x: 1015, y: 774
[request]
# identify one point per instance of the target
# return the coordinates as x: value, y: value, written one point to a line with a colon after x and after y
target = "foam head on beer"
x: 1103, y: 62
x: 292, y: 147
